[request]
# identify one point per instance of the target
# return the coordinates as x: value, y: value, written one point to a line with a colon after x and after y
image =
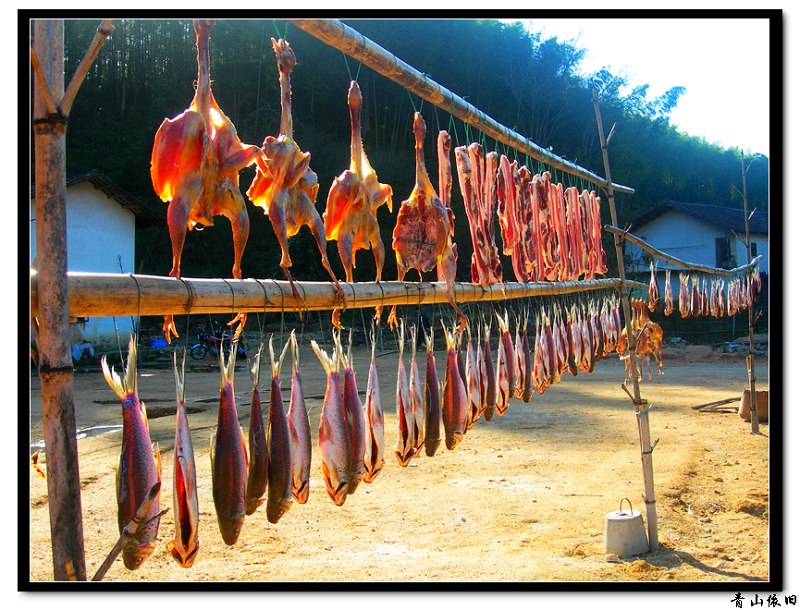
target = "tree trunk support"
x: 640, y: 406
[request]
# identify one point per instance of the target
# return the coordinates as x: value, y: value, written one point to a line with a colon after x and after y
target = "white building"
x: 101, y: 235
x: 698, y: 233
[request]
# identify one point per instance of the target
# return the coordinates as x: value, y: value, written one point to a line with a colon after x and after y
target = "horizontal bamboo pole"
x: 116, y: 294
x: 344, y: 38
x: 638, y: 241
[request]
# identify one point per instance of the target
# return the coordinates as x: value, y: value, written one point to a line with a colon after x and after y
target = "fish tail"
x: 449, y: 338
x: 255, y: 369
x: 276, y: 365
x: 329, y: 363
x: 295, y: 351
x: 180, y: 376
x: 122, y: 386
x: 227, y: 369
x: 401, y: 340
x: 428, y: 340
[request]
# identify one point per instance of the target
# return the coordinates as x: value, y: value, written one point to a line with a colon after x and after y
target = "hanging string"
x: 137, y: 325
x: 283, y: 311
x: 302, y: 319
x: 452, y: 123
x: 262, y: 322
x: 347, y: 65
x: 413, y: 105
x: 188, y: 316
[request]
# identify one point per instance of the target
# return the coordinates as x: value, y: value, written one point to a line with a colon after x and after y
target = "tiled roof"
x: 731, y: 219
x: 145, y: 215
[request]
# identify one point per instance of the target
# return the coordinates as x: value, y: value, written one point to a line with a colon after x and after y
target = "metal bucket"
x: 625, y: 535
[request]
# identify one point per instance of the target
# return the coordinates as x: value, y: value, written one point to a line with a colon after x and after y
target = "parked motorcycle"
x: 221, y: 339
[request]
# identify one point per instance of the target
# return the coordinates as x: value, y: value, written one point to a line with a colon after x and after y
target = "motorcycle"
x: 220, y: 339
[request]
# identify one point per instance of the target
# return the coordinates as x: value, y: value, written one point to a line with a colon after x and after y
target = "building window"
x: 753, y: 249
x: 725, y: 258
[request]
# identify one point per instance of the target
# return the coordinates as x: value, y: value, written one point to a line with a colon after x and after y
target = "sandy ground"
x: 522, y: 498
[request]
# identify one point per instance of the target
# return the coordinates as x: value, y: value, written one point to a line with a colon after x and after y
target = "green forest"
x: 146, y: 72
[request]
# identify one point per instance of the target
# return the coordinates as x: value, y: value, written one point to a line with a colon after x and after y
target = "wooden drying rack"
x: 55, y: 294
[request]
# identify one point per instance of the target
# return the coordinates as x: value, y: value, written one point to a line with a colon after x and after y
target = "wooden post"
x: 639, y: 405
x: 55, y: 360
x: 52, y: 314
x: 751, y: 363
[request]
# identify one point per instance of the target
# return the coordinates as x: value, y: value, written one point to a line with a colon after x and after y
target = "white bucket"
x: 625, y: 535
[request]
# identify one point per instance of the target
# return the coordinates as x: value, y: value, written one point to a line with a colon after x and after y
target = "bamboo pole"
x: 344, y: 38
x: 55, y: 360
x: 640, y: 406
x: 117, y: 294
x: 751, y: 372
x: 638, y: 241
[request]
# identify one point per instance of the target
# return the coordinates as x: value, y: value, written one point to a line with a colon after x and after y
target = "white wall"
x: 762, y: 249
x: 99, y: 230
x: 691, y: 240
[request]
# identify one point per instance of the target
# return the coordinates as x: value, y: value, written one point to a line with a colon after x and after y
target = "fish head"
x: 230, y: 528
x: 337, y: 489
x: 134, y: 554
x: 277, y: 508
x: 184, y: 557
x: 453, y: 439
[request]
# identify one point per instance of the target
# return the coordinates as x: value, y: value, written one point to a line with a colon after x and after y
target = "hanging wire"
x: 188, y: 316
x: 283, y: 311
x: 413, y: 105
x: 262, y: 322
x: 452, y: 123
x: 347, y: 65
x: 137, y: 325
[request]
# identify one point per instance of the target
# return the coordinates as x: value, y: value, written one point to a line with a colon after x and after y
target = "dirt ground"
x: 522, y: 498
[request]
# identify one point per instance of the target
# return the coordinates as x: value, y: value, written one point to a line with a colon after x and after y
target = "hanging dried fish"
x: 299, y: 430
x: 332, y: 437
x: 669, y: 306
x: 473, y: 386
x: 404, y: 449
x: 354, y: 420
x: 258, y: 461
x: 433, y: 408
x: 139, y: 462
x: 279, y: 488
x: 488, y: 376
x: 373, y: 414
x: 505, y: 367
x: 228, y: 456
x: 417, y: 421
x: 454, y: 397
x: 652, y: 289
x: 185, y: 544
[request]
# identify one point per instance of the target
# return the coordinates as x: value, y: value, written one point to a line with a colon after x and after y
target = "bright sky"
x: 722, y: 63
